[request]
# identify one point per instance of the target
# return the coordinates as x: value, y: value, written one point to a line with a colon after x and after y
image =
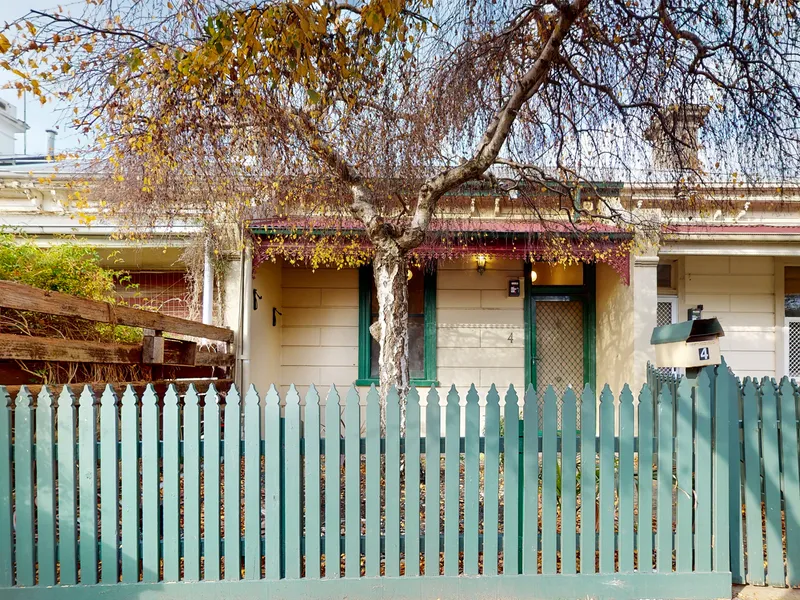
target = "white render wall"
x: 740, y: 292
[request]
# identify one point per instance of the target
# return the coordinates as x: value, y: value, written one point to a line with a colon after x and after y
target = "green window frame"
x: 365, y: 279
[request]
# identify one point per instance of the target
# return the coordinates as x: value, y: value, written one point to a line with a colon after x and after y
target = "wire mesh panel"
x: 559, y: 348
x: 794, y: 347
x: 664, y: 313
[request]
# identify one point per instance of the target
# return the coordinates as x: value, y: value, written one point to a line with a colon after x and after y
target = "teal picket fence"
x: 764, y: 479
x: 765, y: 484
x: 334, y: 496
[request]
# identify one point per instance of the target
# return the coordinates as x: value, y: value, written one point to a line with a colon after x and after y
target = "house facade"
x: 569, y: 325
x: 496, y: 312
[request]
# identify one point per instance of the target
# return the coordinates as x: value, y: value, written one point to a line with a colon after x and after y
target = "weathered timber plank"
x: 23, y: 347
x: 24, y: 297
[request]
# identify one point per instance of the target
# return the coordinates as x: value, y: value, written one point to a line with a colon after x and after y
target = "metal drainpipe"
x: 246, y: 295
x: 208, y: 284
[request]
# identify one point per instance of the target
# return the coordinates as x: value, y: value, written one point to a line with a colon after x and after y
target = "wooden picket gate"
x: 765, y: 484
x: 211, y: 497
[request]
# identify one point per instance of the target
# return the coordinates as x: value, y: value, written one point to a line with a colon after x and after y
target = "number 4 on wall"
x: 704, y: 353
x: 511, y: 337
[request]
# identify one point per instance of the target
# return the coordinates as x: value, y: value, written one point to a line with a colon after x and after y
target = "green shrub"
x: 70, y: 268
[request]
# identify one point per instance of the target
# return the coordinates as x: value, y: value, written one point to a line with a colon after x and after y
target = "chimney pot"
x: 51, y: 142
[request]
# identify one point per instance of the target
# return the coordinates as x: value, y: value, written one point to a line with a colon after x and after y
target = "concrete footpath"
x: 752, y: 592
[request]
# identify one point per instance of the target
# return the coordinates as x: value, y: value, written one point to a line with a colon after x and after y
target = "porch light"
x: 481, y: 260
x: 534, y: 276
x: 410, y: 274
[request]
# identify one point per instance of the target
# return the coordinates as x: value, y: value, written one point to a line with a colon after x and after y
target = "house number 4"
x: 511, y: 337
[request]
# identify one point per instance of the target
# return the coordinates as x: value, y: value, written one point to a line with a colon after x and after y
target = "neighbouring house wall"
x: 740, y: 292
x: 614, y: 319
x: 480, y: 329
x: 319, y: 327
x: 264, y: 364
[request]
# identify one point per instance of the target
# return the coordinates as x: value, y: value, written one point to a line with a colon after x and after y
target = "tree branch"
x: 496, y: 133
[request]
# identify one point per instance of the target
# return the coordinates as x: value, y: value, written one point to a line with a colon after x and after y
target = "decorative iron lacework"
x: 511, y: 239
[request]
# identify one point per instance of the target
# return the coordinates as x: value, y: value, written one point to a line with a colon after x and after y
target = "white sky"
x: 40, y: 118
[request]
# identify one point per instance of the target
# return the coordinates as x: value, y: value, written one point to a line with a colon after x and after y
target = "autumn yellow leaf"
x: 4, y: 43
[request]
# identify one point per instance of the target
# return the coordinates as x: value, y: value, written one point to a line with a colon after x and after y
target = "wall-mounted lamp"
x: 481, y: 260
x: 410, y: 274
x: 534, y: 276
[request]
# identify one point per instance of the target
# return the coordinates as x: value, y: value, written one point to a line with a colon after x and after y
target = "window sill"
x: 420, y: 383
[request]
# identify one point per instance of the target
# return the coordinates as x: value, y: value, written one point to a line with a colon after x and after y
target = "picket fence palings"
x: 736, y: 482
x: 293, y: 499
x: 372, y: 557
x: 722, y: 530
x: 791, y: 480
x: 6, y: 510
x: 87, y: 457
x: 626, y: 481
x: 171, y: 480
x: 588, y: 481
x: 772, y: 485
x: 252, y: 425
x: 529, y: 470
x: 665, y: 505
x: 392, y: 502
x: 491, y: 483
x: 452, y: 475
x: 45, y: 490
x: 413, y: 506
x: 433, y: 434
x: 273, y: 533
x: 569, y: 480
x: 232, y: 479
x: 752, y: 486
x: 707, y: 549
x: 352, y: 469
x: 606, y: 495
x: 549, y: 492
x: 472, y: 433
x: 644, y: 526
x: 511, y: 468
x: 109, y: 487
x: 703, y: 462
x: 333, y: 489
x: 312, y: 484
x: 67, y: 490
x: 684, y: 451
x: 191, y: 485
x: 23, y: 472
x: 211, y: 485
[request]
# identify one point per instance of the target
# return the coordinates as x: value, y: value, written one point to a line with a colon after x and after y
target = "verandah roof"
x: 450, y: 239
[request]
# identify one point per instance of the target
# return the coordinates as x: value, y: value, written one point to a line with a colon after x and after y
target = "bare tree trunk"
x: 391, y: 329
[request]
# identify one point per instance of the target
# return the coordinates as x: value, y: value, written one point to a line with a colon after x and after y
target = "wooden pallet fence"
x: 305, y: 494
